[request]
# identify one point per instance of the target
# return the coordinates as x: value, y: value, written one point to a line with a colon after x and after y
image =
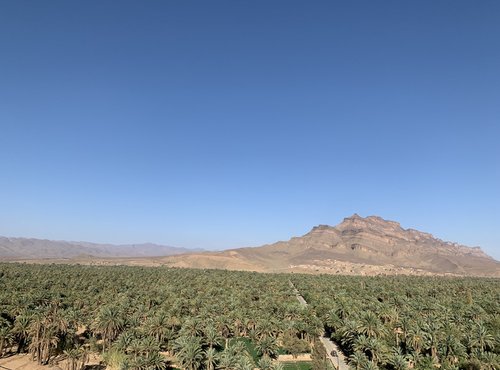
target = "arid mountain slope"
x: 24, y: 248
x: 358, y: 245
x: 361, y: 246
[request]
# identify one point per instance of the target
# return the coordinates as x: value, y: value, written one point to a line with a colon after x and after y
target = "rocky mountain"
x: 28, y: 249
x: 357, y: 245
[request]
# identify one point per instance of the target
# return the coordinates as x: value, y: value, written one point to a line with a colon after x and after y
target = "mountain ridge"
x: 357, y: 245
x: 13, y: 248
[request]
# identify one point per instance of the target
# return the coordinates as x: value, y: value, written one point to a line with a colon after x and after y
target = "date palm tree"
x: 226, y: 360
x: 124, y: 341
x: 416, y: 339
x: 21, y: 330
x: 398, y: 361
x: 189, y: 352
x: 267, y: 346
x: 357, y: 360
x: 212, y: 337
x: 244, y: 363
x: 154, y: 361
x: 370, y: 325
x: 450, y: 347
x: 210, y: 358
x: 373, y: 348
x: 77, y: 358
x: 265, y: 363
x: 44, y: 338
x: 157, y: 326
x: 490, y: 361
x: 6, y: 336
x: 370, y: 365
x: 109, y: 323
x: 481, y: 338
x: 333, y: 320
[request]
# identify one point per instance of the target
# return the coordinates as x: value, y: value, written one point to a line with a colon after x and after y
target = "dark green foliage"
x: 294, y: 345
x: 403, y: 322
x: 236, y: 320
x: 318, y: 355
x: 205, y: 319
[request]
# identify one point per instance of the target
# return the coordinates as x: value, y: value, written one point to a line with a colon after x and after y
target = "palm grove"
x: 409, y: 322
x: 159, y: 318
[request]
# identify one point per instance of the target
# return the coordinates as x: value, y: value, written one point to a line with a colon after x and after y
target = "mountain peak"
x: 321, y: 228
x: 377, y: 222
x: 355, y: 216
x: 376, y: 241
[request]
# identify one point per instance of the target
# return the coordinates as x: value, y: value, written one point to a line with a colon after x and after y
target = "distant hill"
x: 29, y: 249
x: 357, y: 245
x: 360, y: 246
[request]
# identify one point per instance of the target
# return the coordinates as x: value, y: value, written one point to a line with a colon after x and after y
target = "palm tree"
x: 343, y: 308
x: 21, y: 330
x: 5, y: 336
x: 109, y: 323
x: 490, y: 361
x: 427, y: 362
x: 189, y: 352
x: 225, y: 332
x: 237, y: 347
x: 416, y: 339
x: 332, y: 320
x: 154, y: 361
x: 398, y: 361
x: 191, y: 327
x: 136, y: 363
x: 244, y: 363
x: 370, y: 325
x: 226, y: 360
x: 348, y: 333
x: 369, y: 366
x: 265, y: 363
x: 43, y: 334
x: 481, y: 338
x: 157, y: 327
x: 267, y: 346
x: 77, y: 358
x: 373, y: 348
x: 210, y: 358
x: 402, y: 327
x: 358, y: 359
x: 149, y: 345
x: 431, y: 337
x: 212, y: 337
x: 278, y: 366
x: 450, y: 347
x: 135, y: 348
x: 124, y: 341
x: 388, y: 315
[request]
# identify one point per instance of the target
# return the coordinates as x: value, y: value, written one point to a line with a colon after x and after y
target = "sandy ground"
x: 23, y: 362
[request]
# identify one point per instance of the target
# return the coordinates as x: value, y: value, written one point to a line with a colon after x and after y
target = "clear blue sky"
x: 220, y: 124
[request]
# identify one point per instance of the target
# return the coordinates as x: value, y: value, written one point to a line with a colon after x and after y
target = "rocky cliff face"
x: 373, y: 241
x: 389, y: 237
